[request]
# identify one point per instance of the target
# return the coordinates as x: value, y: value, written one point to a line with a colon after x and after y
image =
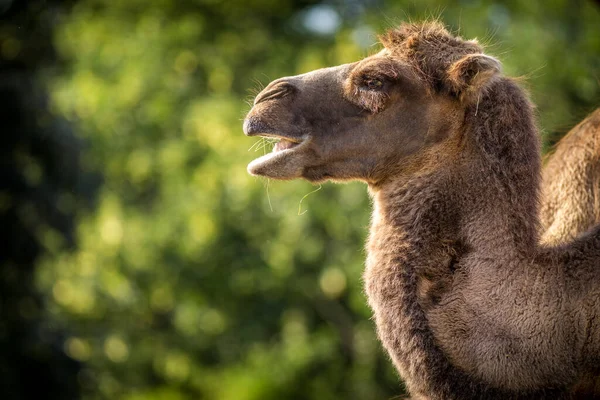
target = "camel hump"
x: 571, y: 183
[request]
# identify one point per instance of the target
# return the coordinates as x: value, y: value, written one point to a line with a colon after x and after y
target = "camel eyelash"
x: 372, y: 83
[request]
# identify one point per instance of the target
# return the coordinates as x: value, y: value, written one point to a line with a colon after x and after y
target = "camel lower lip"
x: 275, y: 157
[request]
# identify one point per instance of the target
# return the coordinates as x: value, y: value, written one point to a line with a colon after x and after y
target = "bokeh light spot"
x: 111, y: 230
x: 322, y: 19
x: 333, y: 282
x: 177, y: 367
x: 186, y: 62
x: 116, y: 349
x: 78, y: 349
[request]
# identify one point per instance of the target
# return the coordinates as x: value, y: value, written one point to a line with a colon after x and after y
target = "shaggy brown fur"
x: 571, y: 183
x: 466, y: 301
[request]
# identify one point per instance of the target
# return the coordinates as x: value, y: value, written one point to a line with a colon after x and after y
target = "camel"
x: 467, y: 301
x: 571, y: 184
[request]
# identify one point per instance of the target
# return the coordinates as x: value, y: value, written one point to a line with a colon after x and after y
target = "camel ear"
x: 469, y: 75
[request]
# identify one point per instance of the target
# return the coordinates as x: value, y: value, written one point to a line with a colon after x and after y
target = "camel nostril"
x: 275, y: 90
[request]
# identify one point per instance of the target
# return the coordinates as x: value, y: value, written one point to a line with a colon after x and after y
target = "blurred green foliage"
x: 192, y: 279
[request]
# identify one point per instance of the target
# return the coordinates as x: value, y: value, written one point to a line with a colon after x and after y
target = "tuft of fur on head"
x: 446, y: 62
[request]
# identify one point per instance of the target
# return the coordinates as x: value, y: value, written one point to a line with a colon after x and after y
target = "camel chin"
x: 283, y: 164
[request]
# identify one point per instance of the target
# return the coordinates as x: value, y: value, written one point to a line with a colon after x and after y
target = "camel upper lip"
x: 256, y: 127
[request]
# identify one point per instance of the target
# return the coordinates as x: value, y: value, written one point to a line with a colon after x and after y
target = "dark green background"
x: 140, y: 260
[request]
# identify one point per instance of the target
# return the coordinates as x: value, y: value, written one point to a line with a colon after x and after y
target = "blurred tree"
x: 192, y: 279
x: 40, y: 183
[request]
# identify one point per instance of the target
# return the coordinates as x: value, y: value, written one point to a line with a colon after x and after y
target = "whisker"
x: 267, y: 142
x: 300, y: 212
x: 268, y: 195
x: 256, y: 143
x: 262, y: 146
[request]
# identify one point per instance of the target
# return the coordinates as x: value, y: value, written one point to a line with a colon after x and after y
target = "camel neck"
x: 422, y: 226
x: 487, y: 198
x: 416, y: 208
x: 405, y: 244
x: 418, y: 236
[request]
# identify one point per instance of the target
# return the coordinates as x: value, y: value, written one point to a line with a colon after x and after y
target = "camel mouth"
x: 285, y: 144
x: 256, y: 127
x: 280, y: 142
x: 289, y: 154
x: 278, y: 162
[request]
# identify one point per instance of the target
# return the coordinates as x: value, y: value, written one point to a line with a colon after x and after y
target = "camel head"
x: 368, y: 120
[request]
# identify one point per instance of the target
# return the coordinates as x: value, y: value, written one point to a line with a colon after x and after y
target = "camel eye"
x: 373, y: 84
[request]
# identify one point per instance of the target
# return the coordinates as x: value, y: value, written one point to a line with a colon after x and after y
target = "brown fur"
x: 571, y: 183
x: 466, y: 301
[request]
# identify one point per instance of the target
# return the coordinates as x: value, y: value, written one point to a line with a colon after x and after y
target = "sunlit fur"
x: 571, y: 183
